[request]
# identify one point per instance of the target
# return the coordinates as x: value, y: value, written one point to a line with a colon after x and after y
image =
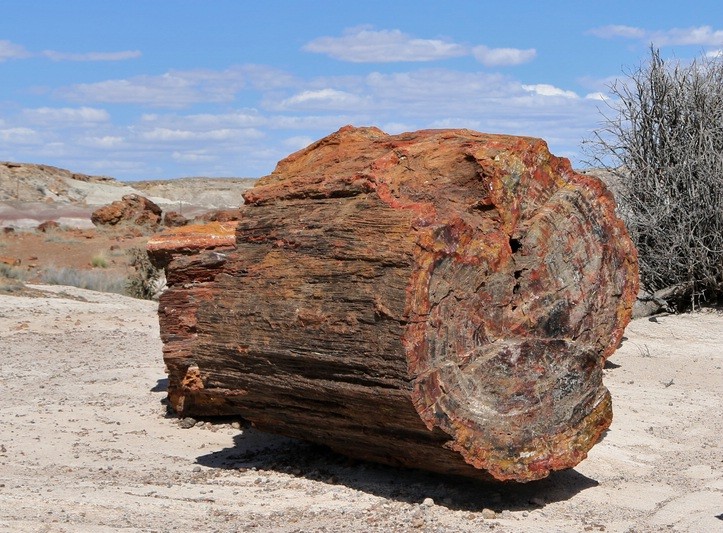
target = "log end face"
x: 518, y: 409
x: 511, y: 322
x: 539, y: 457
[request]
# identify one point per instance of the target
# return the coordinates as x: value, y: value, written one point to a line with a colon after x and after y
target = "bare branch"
x: 665, y: 137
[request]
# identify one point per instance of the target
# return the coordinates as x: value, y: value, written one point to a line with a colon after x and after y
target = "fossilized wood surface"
x: 442, y: 299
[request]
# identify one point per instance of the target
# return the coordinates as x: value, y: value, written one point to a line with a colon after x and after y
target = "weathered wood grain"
x: 443, y: 299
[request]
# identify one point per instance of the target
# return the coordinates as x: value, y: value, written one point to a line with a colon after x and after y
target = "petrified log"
x: 441, y: 299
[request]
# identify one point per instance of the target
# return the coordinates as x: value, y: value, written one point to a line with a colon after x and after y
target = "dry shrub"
x: 10, y: 272
x: 147, y: 281
x: 94, y: 280
x: 665, y: 141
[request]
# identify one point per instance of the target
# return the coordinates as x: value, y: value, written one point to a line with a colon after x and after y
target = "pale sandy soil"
x: 86, y: 444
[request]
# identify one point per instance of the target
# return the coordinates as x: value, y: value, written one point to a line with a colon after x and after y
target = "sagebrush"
x: 94, y: 280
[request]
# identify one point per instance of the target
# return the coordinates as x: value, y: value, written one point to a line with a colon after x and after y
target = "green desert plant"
x: 146, y: 279
x: 665, y: 140
x: 99, y: 261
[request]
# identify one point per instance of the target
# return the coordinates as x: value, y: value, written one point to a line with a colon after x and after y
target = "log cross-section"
x: 443, y: 299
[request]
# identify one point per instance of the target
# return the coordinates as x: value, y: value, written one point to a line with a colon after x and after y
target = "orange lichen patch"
x: 189, y: 240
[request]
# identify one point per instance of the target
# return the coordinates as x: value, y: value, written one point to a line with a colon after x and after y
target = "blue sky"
x: 160, y: 89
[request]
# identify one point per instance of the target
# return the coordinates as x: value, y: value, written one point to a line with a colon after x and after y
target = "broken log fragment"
x: 443, y: 299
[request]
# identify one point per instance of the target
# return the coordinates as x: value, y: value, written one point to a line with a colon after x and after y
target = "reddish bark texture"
x: 443, y: 299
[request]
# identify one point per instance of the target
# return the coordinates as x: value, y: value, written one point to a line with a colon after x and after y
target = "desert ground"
x: 87, y: 443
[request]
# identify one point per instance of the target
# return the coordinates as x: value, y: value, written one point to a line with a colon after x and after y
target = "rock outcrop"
x: 174, y: 219
x: 132, y: 208
x: 29, y: 182
x: 443, y: 299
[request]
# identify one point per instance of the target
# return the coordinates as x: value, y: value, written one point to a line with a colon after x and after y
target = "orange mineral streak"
x: 191, y: 239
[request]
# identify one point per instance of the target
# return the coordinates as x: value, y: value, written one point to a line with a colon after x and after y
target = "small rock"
x: 235, y: 425
x: 428, y: 502
x: 48, y: 225
x: 187, y: 423
x: 173, y: 219
x: 488, y: 514
x: 417, y: 513
x: 196, y: 468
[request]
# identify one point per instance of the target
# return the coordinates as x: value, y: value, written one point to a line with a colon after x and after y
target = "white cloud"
x: 365, y: 45
x: 696, y: 35
x: 544, y: 89
x: 64, y: 116
x: 170, y: 135
x: 10, y: 50
x: 92, y: 56
x: 104, y: 142
x: 193, y: 157
x: 173, y: 89
x: 177, y: 88
x: 702, y: 35
x: 618, y: 30
x: 714, y: 54
x: 243, y: 118
x: 597, y: 96
x: 494, y: 57
x: 456, y: 123
x: 440, y: 88
x: 394, y: 128
x: 325, y: 98
x: 321, y: 122
x: 20, y: 135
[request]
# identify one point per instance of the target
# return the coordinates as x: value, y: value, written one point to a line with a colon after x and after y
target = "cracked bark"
x: 441, y: 299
